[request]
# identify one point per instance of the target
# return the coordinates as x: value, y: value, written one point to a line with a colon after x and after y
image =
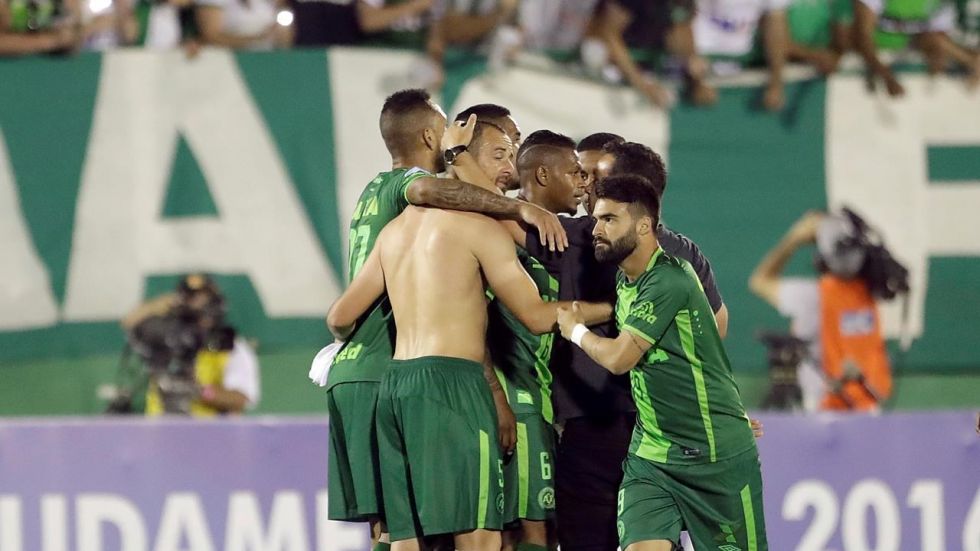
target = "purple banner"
x: 897, y: 482
x: 168, y: 485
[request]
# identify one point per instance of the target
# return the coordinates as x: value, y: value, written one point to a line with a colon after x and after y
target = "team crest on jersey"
x: 546, y: 498
x: 644, y: 311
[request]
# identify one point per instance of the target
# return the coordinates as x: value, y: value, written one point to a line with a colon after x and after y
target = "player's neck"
x: 636, y: 263
x: 527, y: 194
x: 422, y: 160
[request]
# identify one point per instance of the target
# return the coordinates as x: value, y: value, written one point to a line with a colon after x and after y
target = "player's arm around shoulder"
x: 494, y: 249
x: 363, y: 291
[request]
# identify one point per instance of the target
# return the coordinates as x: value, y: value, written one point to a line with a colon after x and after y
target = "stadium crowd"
x: 636, y: 42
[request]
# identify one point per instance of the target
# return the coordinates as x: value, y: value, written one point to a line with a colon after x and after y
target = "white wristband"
x: 578, y: 333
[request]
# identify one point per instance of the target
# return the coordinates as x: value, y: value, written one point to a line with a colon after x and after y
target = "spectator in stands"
x: 848, y: 367
x: 626, y: 31
x: 820, y: 32
x: 555, y: 26
x: 37, y: 26
x: 925, y: 24
x: 447, y: 23
x: 727, y: 29
x: 107, y: 23
x: 161, y: 24
x: 189, y: 323
x: 239, y: 24
x: 346, y: 22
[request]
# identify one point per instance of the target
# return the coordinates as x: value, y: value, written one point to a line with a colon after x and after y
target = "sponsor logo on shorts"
x: 729, y: 548
x: 620, y: 529
x: 500, y: 503
x: 546, y: 498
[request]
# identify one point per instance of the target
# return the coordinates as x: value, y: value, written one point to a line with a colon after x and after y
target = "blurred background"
x: 177, y: 178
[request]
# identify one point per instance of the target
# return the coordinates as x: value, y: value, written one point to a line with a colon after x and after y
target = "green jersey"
x: 521, y: 357
x: 369, y: 349
x: 688, y: 406
x: 31, y: 16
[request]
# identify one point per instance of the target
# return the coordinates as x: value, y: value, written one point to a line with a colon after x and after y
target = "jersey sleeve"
x: 658, y: 300
x: 400, y: 192
x: 676, y: 244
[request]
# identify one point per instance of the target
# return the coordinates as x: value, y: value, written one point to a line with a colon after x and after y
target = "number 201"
x: 874, y: 495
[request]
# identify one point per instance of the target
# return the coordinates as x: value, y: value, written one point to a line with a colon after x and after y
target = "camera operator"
x: 847, y: 367
x: 197, y: 364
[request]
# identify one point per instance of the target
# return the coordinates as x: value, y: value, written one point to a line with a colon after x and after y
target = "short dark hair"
x: 484, y: 111
x: 538, y: 147
x: 635, y: 190
x: 396, y: 110
x: 404, y: 101
x: 476, y: 142
x: 599, y: 140
x: 636, y: 158
x: 546, y: 137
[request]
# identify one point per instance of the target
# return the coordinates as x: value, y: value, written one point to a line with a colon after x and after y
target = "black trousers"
x: 589, y: 469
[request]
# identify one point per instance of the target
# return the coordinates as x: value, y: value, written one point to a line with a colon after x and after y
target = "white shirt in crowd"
x: 799, y: 300
x: 247, y: 18
x: 242, y: 372
x: 555, y: 24
x: 728, y: 27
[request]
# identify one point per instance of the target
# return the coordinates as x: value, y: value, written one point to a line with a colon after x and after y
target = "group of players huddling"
x: 441, y: 417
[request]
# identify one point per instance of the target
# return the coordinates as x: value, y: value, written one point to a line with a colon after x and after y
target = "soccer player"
x: 501, y: 117
x: 435, y: 419
x: 593, y: 405
x: 413, y: 129
x: 692, y: 462
x: 550, y: 176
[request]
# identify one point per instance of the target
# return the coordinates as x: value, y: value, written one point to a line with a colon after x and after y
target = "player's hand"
x: 774, y: 98
x: 506, y: 426
x: 459, y: 133
x: 550, y: 230
x: 756, y: 428
x: 568, y: 318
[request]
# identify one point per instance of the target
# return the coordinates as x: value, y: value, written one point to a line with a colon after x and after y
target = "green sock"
x: 530, y: 547
x: 380, y: 546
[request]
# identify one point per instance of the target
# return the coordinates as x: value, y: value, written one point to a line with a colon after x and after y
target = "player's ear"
x: 541, y: 174
x: 644, y: 225
x: 429, y: 138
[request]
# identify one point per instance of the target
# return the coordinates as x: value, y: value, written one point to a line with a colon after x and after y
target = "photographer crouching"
x: 836, y: 342
x: 194, y: 361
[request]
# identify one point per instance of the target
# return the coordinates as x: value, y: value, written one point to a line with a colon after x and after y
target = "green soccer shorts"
x: 719, y: 504
x: 529, y: 488
x: 353, y: 472
x: 441, y: 464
